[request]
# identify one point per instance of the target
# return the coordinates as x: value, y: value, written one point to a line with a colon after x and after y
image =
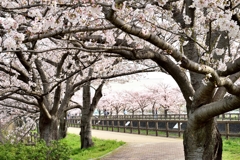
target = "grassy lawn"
x: 231, y: 149
x: 101, y: 147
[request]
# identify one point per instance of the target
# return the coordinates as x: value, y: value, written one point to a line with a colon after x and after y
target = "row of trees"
x: 42, y: 76
x: 50, y: 49
x: 152, y: 98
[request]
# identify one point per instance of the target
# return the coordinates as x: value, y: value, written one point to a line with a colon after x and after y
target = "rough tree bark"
x: 87, y: 112
x: 202, y: 139
x: 63, y: 126
x: 86, y: 125
x: 48, y: 128
x: 203, y: 142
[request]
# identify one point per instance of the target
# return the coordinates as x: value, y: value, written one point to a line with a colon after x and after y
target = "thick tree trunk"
x: 87, y: 112
x: 48, y: 128
x: 63, y: 126
x: 203, y: 142
x: 86, y: 124
x: 86, y: 132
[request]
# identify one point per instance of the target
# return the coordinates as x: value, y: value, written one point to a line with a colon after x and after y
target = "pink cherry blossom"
x: 10, y: 43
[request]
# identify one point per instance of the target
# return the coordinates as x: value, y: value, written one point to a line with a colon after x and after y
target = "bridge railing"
x: 223, y: 117
x: 173, y: 126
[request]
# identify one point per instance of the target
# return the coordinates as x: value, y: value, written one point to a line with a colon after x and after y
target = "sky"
x: 150, y: 78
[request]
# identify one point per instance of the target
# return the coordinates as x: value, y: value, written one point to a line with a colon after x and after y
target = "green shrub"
x: 57, y: 150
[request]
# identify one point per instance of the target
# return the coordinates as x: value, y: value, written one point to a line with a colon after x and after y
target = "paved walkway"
x: 140, y: 147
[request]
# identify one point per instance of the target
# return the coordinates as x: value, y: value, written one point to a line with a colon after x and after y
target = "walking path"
x: 140, y: 147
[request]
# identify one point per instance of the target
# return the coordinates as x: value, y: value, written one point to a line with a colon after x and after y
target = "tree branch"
x: 20, y: 108
x: 66, y: 31
x: 23, y: 61
x: 222, y: 90
x: 22, y: 76
x: 43, y: 107
x: 56, y: 101
x: 43, y: 76
x: 23, y: 101
x: 97, y: 96
x: 205, y: 112
x: 75, y: 104
x: 5, y: 94
x: 137, y: 31
x: 231, y: 68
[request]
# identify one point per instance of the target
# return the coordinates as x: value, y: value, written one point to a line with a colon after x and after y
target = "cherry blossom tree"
x: 89, y: 103
x: 44, y: 72
x: 117, y: 102
x: 113, y: 101
x: 130, y: 104
x: 141, y: 98
x: 125, y: 98
x: 177, y: 35
x: 164, y: 96
x: 46, y: 87
x: 203, y: 38
x: 154, y: 96
x: 51, y: 87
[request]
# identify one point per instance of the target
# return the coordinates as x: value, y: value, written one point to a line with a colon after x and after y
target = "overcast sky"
x: 148, y: 80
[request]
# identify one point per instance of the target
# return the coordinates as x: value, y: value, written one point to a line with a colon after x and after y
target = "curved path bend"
x: 140, y: 147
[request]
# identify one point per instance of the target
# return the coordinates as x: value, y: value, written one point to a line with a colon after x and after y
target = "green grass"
x: 101, y: 147
x: 231, y: 149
